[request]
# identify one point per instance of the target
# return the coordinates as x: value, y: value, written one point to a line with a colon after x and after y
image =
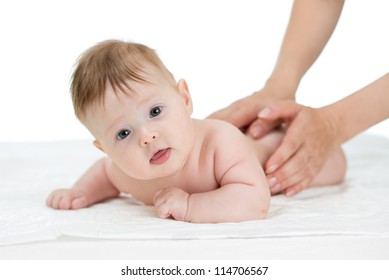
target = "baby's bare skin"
x: 220, y: 181
x: 201, y: 171
x: 191, y: 170
x: 197, y: 176
x: 209, y: 167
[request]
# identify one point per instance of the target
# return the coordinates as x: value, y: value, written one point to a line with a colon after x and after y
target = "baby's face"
x: 148, y: 134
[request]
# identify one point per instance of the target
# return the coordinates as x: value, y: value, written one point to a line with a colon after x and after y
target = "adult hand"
x: 243, y: 112
x: 311, y: 136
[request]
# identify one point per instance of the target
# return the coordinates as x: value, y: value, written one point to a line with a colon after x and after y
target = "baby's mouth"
x: 160, y: 156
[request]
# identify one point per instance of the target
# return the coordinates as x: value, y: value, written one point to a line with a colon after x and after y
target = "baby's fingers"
x: 78, y: 202
x: 49, y: 200
x: 65, y: 199
x: 54, y: 200
x: 163, y: 210
x: 159, y: 198
x: 73, y: 200
x: 65, y: 202
x: 161, y: 204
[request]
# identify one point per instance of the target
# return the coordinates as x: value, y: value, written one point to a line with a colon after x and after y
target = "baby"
x: 200, y: 171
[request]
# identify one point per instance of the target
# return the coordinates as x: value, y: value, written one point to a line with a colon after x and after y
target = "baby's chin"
x: 156, y: 172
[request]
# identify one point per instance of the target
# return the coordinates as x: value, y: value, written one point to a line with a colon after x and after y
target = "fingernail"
x: 276, y: 188
x: 255, y: 131
x: 290, y: 192
x: 271, y: 168
x: 264, y: 113
x: 272, y: 181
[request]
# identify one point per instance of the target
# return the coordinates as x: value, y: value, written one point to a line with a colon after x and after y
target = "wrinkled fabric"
x: 30, y: 171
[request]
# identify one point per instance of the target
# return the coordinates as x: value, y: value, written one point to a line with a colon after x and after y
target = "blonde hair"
x: 114, y: 62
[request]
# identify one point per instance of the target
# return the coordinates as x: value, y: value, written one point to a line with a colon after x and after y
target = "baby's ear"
x: 183, y: 90
x: 98, y: 145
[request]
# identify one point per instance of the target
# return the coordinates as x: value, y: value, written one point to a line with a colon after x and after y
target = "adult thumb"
x: 280, y: 110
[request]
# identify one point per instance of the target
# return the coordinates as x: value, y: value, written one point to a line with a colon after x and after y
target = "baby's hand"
x: 171, y: 202
x: 66, y: 199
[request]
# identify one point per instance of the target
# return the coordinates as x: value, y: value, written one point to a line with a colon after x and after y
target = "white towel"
x: 30, y: 171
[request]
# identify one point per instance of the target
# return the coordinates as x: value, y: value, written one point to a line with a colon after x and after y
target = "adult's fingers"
x: 285, y: 176
x: 304, y: 174
x: 290, y: 144
x: 290, y: 191
x: 260, y: 127
x: 241, y: 113
x: 285, y: 109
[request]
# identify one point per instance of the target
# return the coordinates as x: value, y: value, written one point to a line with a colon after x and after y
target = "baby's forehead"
x: 153, y: 80
x: 131, y: 93
x: 150, y: 75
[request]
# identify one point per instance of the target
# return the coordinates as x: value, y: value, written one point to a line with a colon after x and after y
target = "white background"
x: 224, y: 49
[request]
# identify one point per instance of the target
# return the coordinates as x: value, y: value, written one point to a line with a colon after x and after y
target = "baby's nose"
x: 148, y: 138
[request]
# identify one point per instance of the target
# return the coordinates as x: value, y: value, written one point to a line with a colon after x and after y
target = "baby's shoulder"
x: 218, y: 131
x: 220, y: 127
x: 229, y: 146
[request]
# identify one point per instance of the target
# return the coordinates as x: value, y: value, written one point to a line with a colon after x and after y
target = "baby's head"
x: 138, y: 114
x: 111, y: 63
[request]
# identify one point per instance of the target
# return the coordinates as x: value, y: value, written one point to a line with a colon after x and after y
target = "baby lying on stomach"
x: 201, y: 171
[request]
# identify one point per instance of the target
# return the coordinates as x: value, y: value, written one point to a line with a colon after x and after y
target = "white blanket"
x: 30, y: 171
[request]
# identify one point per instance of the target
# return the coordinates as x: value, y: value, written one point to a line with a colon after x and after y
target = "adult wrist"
x: 283, y: 86
x: 334, y: 121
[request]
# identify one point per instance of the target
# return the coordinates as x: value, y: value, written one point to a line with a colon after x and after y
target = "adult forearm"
x: 310, y: 26
x: 361, y: 110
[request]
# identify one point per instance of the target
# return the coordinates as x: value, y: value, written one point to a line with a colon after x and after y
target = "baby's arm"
x: 92, y: 187
x: 243, y: 194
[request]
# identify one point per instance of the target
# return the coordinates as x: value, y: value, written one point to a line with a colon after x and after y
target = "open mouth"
x: 160, y: 156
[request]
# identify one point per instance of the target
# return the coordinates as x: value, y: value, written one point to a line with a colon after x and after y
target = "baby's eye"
x: 123, y: 134
x: 155, y: 111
